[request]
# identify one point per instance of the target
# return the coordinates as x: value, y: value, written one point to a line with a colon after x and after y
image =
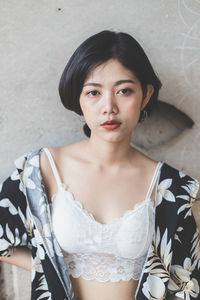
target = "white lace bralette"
x: 112, y: 251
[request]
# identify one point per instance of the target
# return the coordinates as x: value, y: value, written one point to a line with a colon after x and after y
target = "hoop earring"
x: 144, y: 115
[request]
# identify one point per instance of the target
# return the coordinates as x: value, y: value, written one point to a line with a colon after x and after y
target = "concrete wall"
x: 37, y: 39
x: 15, y: 283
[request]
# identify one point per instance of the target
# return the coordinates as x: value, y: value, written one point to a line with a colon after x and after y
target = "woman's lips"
x: 111, y: 126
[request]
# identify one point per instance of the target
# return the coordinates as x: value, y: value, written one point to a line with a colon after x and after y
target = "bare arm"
x: 20, y: 258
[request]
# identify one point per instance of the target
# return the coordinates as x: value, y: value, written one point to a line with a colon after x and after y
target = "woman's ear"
x: 149, y: 93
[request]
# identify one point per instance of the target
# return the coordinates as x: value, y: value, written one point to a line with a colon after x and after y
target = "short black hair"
x: 96, y: 50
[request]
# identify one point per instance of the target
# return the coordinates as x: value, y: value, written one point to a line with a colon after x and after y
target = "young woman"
x: 100, y: 219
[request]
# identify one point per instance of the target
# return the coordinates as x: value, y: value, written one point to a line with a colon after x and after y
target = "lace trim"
x: 128, y: 212
x: 103, y: 267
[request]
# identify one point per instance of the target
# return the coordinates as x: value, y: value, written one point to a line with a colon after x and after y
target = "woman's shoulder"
x: 175, y: 180
x: 34, y: 155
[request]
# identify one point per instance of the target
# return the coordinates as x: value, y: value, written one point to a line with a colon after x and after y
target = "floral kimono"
x: 172, y: 263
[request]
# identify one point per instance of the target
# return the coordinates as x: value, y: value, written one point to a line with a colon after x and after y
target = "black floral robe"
x: 173, y: 260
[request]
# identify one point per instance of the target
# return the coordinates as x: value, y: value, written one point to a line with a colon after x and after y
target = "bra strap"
x: 153, y: 180
x: 53, y: 166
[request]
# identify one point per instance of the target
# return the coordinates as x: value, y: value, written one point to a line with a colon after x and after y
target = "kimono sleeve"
x: 14, y: 227
x: 185, y: 268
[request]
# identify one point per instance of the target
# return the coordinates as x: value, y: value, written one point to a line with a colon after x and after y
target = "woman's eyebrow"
x: 116, y: 83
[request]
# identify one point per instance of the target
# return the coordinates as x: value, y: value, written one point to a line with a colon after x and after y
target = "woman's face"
x: 112, y: 91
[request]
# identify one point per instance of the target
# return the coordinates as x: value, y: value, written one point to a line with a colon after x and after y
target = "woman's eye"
x: 126, y: 91
x: 93, y: 93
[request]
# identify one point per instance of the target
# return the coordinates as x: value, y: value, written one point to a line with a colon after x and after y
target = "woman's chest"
x: 106, y: 196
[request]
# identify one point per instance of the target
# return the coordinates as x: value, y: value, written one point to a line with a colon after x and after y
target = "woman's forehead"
x: 112, y: 68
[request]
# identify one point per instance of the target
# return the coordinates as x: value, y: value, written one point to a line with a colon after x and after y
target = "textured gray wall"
x: 38, y: 38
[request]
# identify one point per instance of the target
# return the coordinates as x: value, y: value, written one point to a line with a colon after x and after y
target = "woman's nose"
x: 109, y: 103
